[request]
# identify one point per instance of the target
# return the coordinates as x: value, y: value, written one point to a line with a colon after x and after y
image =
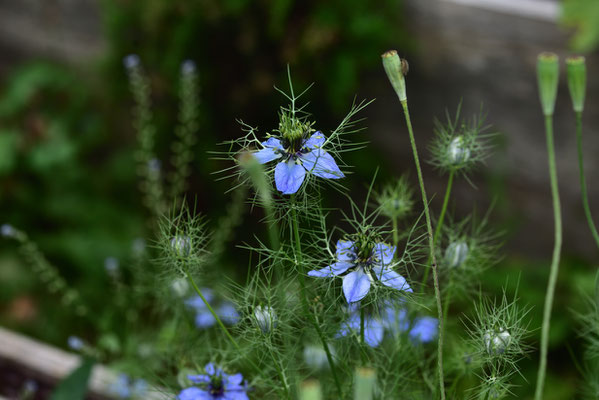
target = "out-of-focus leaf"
x: 74, y: 386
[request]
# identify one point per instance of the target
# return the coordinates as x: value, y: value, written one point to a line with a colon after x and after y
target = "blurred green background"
x: 67, y: 167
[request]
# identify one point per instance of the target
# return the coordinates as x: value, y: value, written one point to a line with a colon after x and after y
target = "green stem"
x: 280, y: 370
x: 583, y: 183
x: 554, y: 261
x: 273, y: 232
x: 395, y: 232
x: 302, y: 280
x: 429, y: 228
x: 440, y: 222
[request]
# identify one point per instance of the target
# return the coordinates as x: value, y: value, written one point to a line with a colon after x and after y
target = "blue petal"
x: 273, y: 143
x: 265, y: 155
x: 384, y: 253
x: 345, y: 250
x: 235, y: 379
x: 373, y: 332
x: 235, y: 395
x: 332, y: 270
x: 321, y: 164
x: 424, y: 329
x: 316, y: 140
x: 356, y: 285
x: 194, y: 393
x: 211, y: 369
x: 199, y: 378
x: 289, y: 176
x: 204, y: 319
x: 396, y: 319
x: 391, y: 278
x: 228, y: 313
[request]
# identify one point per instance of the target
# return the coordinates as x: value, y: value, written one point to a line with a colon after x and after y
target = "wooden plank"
x: 56, y: 363
x: 547, y: 10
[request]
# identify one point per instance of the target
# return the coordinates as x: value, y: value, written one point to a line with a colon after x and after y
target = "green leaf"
x: 74, y: 386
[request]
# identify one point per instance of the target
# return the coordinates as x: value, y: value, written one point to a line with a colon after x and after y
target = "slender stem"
x: 429, y: 228
x: 554, y: 261
x: 361, y: 324
x: 280, y: 370
x: 440, y: 222
x: 273, y: 232
x: 583, y: 183
x: 395, y: 232
x: 298, y: 256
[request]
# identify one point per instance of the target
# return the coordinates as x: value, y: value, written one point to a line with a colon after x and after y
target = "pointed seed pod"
x: 577, y: 81
x: 548, y: 77
x: 396, y: 70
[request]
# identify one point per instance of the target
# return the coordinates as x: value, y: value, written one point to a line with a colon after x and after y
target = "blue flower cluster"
x: 393, y: 319
x: 215, y: 385
x: 364, y: 270
x: 204, y: 319
x: 296, y: 157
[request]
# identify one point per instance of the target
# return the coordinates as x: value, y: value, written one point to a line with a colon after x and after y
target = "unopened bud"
x: 456, y: 253
x: 181, y: 245
x: 577, y: 81
x: 396, y: 69
x: 458, y: 152
x: 265, y: 317
x: 548, y: 77
x: 496, y: 342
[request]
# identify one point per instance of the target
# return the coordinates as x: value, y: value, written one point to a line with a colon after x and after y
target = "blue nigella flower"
x: 215, y: 385
x: 75, y: 343
x: 204, y: 319
x: 296, y: 156
x: 392, y: 318
x: 373, y: 263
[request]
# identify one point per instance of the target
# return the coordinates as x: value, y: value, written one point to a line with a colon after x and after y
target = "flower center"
x: 215, y: 387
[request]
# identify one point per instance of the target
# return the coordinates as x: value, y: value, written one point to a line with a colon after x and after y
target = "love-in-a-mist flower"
x: 497, y: 341
x: 374, y: 328
x: 363, y: 263
x: 420, y: 329
x: 204, y: 319
x: 265, y: 318
x: 215, y: 385
x: 456, y: 254
x: 297, y: 151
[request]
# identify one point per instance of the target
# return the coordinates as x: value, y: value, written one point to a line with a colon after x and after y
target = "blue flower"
x: 204, y: 319
x: 215, y: 385
x: 364, y: 270
x: 295, y: 158
x: 373, y: 328
x: 422, y: 329
x: 75, y: 343
x: 124, y: 388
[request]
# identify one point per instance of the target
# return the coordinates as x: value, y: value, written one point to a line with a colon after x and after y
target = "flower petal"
x: 235, y: 379
x: 373, y: 332
x: 424, y: 329
x: 345, y: 250
x: 396, y: 319
x: 199, y: 378
x: 356, y: 285
x: 316, y: 140
x: 384, y: 253
x: 227, y: 313
x: 204, y: 319
x: 237, y: 394
x: 321, y: 164
x: 211, y: 369
x: 289, y: 176
x: 332, y: 270
x: 391, y: 278
x: 194, y: 393
x: 267, y: 154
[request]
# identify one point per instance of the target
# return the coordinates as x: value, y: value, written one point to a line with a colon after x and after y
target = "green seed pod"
x: 395, y: 67
x: 577, y: 81
x: 548, y: 77
x: 364, y: 380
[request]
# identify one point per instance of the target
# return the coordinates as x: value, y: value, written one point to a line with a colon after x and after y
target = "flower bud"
x: 456, y: 253
x: 548, y: 77
x: 181, y: 245
x: 364, y: 381
x: 396, y: 69
x: 577, y: 81
x: 179, y: 287
x: 188, y: 67
x: 265, y: 317
x: 458, y: 152
x: 496, y: 342
x: 131, y: 61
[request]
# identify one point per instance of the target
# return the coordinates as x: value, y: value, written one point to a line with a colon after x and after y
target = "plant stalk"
x: 583, y: 183
x: 429, y: 228
x: 554, y: 261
